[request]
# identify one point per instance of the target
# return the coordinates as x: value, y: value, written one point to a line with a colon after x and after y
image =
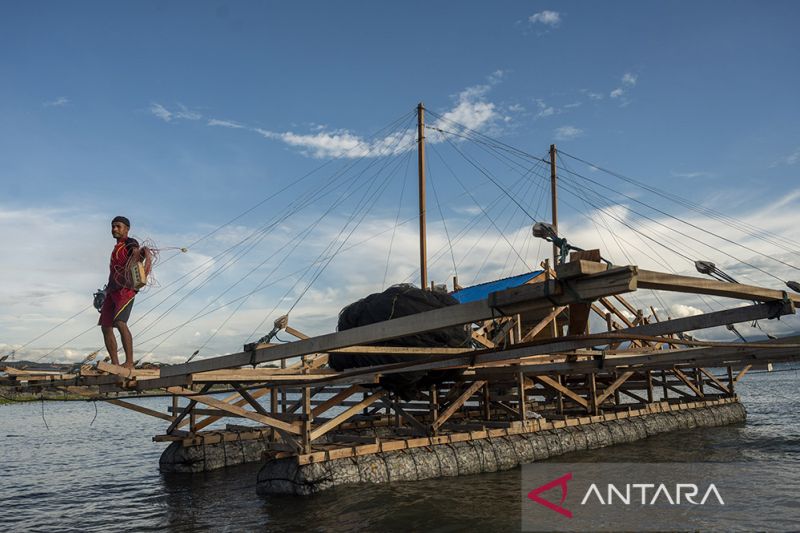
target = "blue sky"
x: 182, y: 115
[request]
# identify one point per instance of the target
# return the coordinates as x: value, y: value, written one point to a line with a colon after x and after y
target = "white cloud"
x: 693, y: 174
x: 566, y: 133
x: 789, y: 160
x: 166, y: 115
x: 61, y: 101
x: 544, y: 109
x: 629, y: 79
x: 472, y: 110
x: 224, y: 123
x: 616, y: 93
x: 161, y: 112
x: 186, y: 114
x: 548, y: 18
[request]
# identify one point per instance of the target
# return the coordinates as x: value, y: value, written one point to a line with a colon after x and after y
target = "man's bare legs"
x: 111, y: 343
x: 127, y: 342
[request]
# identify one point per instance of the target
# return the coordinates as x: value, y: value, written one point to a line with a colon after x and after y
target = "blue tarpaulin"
x: 480, y: 292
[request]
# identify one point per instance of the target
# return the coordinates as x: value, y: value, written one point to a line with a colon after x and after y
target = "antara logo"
x: 631, y: 493
x: 558, y: 482
x: 652, y: 494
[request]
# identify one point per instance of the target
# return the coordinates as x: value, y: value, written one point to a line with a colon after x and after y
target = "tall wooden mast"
x: 554, y: 197
x: 423, y: 254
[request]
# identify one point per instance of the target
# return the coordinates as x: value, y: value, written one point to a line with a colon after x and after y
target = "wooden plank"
x: 543, y: 323
x: 613, y: 387
x: 332, y: 423
x: 689, y: 284
x: 716, y: 381
x: 416, y: 424
x: 553, y: 384
x: 258, y: 393
x: 141, y: 409
x: 336, y: 399
x: 538, y: 295
x: 127, y: 372
x: 263, y: 419
x: 457, y: 403
x: 741, y: 373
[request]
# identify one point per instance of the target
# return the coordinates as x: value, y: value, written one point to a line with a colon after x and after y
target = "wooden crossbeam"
x: 614, y: 386
x: 457, y: 403
x: 258, y: 417
x: 555, y: 385
x: 336, y: 399
x: 683, y: 377
x: 714, y: 380
x: 416, y: 424
x: 174, y: 425
x: 141, y: 409
x: 741, y: 373
x: 543, y: 323
x: 332, y: 423
x: 689, y: 284
x: 258, y: 393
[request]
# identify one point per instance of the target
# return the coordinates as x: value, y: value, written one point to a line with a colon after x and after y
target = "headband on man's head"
x: 122, y: 219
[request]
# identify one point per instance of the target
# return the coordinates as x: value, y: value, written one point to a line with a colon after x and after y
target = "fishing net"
x: 394, y: 302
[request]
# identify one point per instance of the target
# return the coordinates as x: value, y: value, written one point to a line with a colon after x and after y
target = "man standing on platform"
x: 119, y: 293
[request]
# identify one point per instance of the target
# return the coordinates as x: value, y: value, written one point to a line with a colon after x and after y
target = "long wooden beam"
x: 689, y: 284
x: 511, y: 301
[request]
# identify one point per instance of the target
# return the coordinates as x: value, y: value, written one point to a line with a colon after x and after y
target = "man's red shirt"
x: 118, y: 277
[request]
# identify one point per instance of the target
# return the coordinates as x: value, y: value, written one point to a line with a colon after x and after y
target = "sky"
x: 265, y: 137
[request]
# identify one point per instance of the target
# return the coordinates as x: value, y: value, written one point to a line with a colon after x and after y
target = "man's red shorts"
x: 116, y: 307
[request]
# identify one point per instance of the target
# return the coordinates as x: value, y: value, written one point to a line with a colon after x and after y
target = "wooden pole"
x: 423, y: 255
x: 554, y: 197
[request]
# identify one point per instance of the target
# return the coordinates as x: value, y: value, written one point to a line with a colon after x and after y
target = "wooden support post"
x: 560, y: 397
x: 308, y: 417
x: 284, y: 398
x: 664, y: 384
x: 434, y: 403
x: 731, y: 381
x: 649, y: 376
x: 593, y: 406
x: 487, y: 402
x: 698, y: 379
x: 523, y: 398
x: 273, y: 400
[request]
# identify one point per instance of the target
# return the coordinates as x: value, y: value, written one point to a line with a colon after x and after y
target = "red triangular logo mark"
x: 558, y: 482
